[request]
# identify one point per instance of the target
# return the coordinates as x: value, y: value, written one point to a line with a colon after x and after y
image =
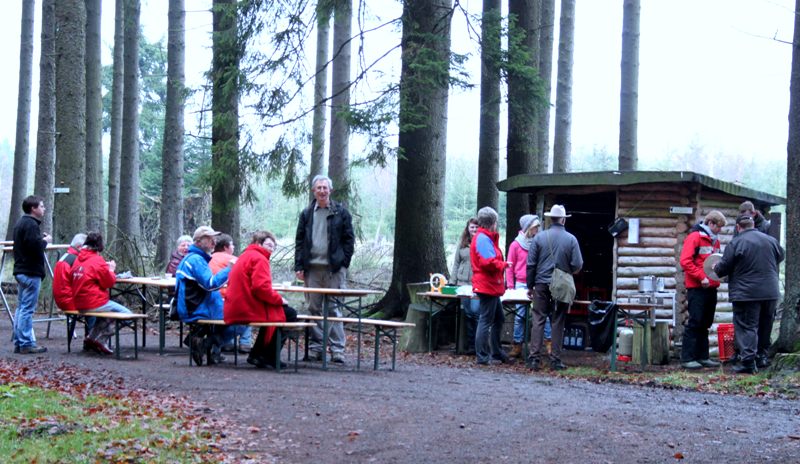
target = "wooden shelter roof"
x: 530, y: 183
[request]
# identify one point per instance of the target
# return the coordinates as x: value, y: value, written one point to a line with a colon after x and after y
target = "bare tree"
x: 226, y: 180
x: 19, y: 184
x: 128, y: 212
x: 546, y: 31
x: 562, y: 143
x: 489, y: 129
x: 70, y: 208
x: 44, y: 178
x: 789, y: 338
x: 94, y: 116
x: 424, y: 79
x: 317, y: 165
x: 629, y: 87
x: 115, y: 149
x: 171, y: 217
x: 523, y: 77
x: 339, y: 156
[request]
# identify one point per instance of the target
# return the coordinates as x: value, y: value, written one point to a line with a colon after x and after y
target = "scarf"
x: 524, y: 242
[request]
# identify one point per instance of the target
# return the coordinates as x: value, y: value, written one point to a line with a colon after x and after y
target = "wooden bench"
x: 383, y: 328
x: 289, y: 329
x: 121, y: 320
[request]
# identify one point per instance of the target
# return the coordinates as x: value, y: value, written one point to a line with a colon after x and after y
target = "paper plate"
x: 708, y: 265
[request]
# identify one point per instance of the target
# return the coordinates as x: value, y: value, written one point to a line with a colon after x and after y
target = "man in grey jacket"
x: 552, y: 248
x: 751, y: 261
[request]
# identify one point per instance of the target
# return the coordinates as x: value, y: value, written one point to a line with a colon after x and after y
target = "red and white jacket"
x: 696, y: 248
x: 91, y: 280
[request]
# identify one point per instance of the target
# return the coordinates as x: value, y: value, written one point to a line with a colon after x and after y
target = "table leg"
x: 526, y: 332
x: 358, y: 347
x: 325, y: 309
x: 430, y: 324
x: 162, y: 322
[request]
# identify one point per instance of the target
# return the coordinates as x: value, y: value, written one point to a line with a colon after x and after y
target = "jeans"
x: 104, y: 328
x: 245, y: 334
x: 490, y: 326
x: 472, y: 311
x: 27, y: 299
x: 519, y: 320
x: 701, y: 304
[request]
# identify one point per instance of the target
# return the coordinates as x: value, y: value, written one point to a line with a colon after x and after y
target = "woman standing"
x: 462, y: 275
x: 516, y: 274
x: 487, y: 282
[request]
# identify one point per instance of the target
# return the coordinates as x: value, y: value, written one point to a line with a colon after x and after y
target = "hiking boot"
x: 516, y: 350
x: 557, y: 365
x: 763, y: 362
x: 746, y: 367
x: 691, y: 365
x: 33, y: 349
x: 257, y: 361
x: 100, y: 347
x: 198, y: 350
x: 16, y: 349
x: 283, y: 365
x: 338, y: 358
x: 708, y: 363
x: 314, y: 356
x: 534, y: 365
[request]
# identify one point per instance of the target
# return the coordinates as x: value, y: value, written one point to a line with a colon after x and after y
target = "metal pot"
x: 651, y: 284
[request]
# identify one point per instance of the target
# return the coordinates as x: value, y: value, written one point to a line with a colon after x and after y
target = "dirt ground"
x: 450, y: 411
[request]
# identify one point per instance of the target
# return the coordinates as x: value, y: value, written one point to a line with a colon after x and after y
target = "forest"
x: 145, y: 157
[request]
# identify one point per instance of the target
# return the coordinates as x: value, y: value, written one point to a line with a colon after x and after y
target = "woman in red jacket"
x: 251, y: 298
x: 92, y: 277
x: 488, y: 267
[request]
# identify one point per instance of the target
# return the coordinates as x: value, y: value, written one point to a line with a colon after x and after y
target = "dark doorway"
x: 591, y: 215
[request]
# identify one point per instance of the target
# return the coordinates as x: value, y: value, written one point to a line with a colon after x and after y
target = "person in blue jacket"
x: 197, y: 296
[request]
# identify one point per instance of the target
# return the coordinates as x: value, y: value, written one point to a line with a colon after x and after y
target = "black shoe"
x: 257, y: 361
x: 198, y: 350
x: 16, y: 349
x: 502, y: 357
x: 283, y: 365
x: 534, y: 364
x: 763, y: 362
x: 745, y: 368
x: 557, y: 365
x: 215, y: 358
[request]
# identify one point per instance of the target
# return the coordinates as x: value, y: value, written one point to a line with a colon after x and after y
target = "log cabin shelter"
x: 658, y: 208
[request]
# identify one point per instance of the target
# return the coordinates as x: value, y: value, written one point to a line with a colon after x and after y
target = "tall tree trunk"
x: 317, y: 165
x: 339, y: 156
x: 562, y: 143
x: 171, y: 217
x: 19, y: 184
x: 419, y: 245
x: 94, y: 117
x: 489, y: 130
x: 128, y: 212
x: 629, y: 87
x: 44, y: 178
x: 522, y: 103
x: 226, y: 179
x: 789, y: 338
x: 70, y: 208
x: 115, y: 145
x: 546, y: 31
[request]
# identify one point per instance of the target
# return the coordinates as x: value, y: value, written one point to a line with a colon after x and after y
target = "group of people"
x: 751, y: 262
x: 532, y: 259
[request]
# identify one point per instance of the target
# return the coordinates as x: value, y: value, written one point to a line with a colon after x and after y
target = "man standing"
x: 324, y: 245
x: 761, y: 223
x: 701, y: 292
x: 552, y: 248
x: 29, y: 246
x: 751, y: 261
x: 197, y: 296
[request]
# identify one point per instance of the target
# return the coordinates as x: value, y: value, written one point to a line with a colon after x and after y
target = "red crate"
x: 725, y: 339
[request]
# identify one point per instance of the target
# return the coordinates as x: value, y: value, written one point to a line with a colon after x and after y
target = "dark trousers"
x: 544, y: 306
x: 752, y: 326
x: 490, y: 326
x: 266, y: 351
x: 701, y: 304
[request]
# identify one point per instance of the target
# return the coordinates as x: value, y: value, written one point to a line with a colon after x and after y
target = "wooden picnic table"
x: 162, y: 286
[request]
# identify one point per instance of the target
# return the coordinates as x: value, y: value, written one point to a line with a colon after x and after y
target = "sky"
x: 713, y: 73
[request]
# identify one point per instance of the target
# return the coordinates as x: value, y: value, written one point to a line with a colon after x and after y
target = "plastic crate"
x: 725, y: 339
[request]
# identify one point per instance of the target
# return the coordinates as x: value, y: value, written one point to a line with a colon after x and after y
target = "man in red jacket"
x: 62, y: 274
x: 92, y: 277
x: 701, y: 292
x: 251, y: 298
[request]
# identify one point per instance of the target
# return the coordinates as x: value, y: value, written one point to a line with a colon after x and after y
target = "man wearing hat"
x: 751, y: 263
x: 197, y: 294
x: 555, y: 247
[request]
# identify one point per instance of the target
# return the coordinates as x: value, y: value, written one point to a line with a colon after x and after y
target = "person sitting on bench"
x: 92, y: 277
x: 251, y: 298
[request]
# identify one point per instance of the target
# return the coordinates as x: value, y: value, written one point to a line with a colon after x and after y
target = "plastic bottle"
x: 579, y: 339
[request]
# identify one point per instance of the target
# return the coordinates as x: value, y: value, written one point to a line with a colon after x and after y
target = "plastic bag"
x: 601, y: 324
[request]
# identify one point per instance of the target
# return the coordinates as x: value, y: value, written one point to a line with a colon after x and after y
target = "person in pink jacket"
x: 516, y: 273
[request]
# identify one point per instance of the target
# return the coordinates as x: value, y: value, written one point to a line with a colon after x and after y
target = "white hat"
x: 558, y: 211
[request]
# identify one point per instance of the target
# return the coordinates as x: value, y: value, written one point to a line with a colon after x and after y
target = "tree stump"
x: 656, y: 340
